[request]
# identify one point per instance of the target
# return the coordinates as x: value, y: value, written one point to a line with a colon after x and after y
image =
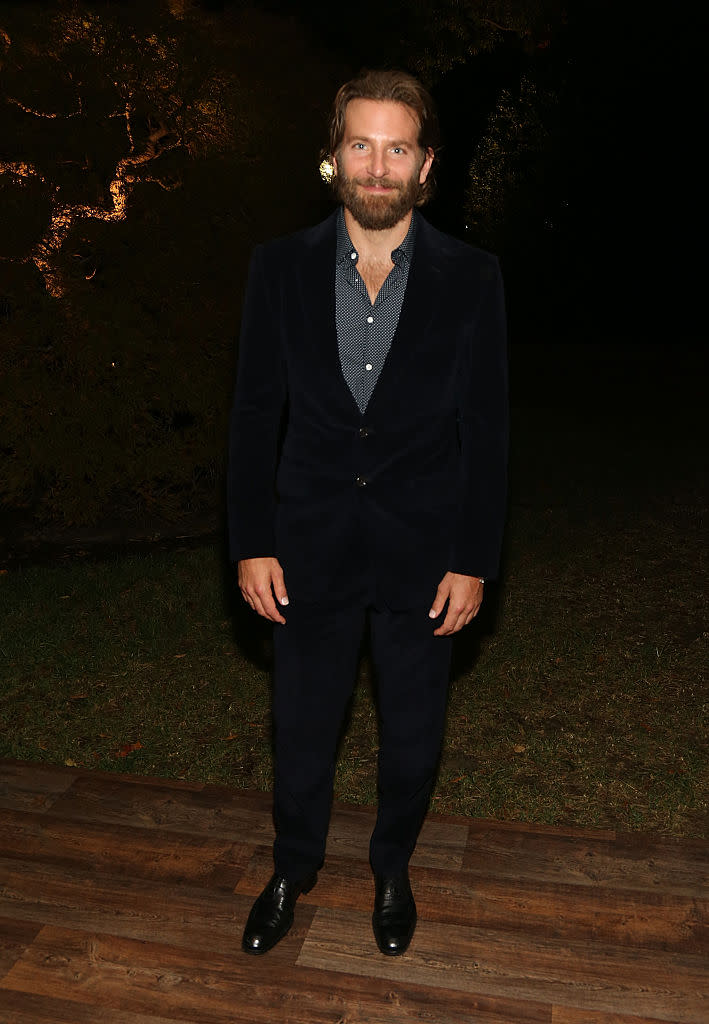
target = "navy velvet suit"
x: 430, y: 447
x: 366, y: 513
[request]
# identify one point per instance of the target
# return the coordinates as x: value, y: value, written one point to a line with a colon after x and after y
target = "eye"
x: 358, y: 145
x: 397, y: 149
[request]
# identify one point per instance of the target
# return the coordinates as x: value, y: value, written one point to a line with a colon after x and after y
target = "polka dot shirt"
x: 364, y: 329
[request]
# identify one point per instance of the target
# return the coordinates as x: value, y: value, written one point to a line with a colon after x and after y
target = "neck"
x: 376, y: 245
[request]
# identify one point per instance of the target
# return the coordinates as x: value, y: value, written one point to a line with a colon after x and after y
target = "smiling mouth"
x: 377, y: 187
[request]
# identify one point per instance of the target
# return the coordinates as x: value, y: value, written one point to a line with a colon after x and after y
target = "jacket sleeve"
x: 256, y: 417
x: 483, y: 425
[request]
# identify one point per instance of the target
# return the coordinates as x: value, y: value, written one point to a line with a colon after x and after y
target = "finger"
x: 260, y: 598
x: 456, y: 619
x: 267, y: 609
x: 270, y: 610
x: 448, y: 625
x: 465, y: 618
x: 439, y: 602
x: 279, y: 586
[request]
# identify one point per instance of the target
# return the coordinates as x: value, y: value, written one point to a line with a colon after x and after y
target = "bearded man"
x: 366, y: 484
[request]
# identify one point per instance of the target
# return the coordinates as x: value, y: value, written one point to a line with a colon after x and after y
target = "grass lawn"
x: 579, y: 696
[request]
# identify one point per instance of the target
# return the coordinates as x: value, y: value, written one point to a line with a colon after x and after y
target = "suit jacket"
x: 413, y: 487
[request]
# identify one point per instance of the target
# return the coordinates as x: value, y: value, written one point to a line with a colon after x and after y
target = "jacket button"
x: 364, y: 431
x: 361, y: 481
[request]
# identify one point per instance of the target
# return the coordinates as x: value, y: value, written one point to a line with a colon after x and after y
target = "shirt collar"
x: 344, y: 247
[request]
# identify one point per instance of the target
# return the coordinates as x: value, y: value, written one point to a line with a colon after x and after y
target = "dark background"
x: 566, y: 138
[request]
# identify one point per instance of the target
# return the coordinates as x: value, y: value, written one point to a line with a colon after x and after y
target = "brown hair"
x: 396, y: 87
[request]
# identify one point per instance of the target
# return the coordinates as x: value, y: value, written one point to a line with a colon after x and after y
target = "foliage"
x: 142, y: 159
x: 508, y: 181
x: 450, y: 32
x: 429, y: 37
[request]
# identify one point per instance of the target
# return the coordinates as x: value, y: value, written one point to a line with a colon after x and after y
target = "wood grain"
x: 625, y: 917
x: 481, y: 962
x: 29, y: 1008
x: 15, y: 937
x: 185, y: 985
x: 651, y: 863
x: 141, y: 853
x: 123, y: 900
x: 572, y: 1015
x: 32, y: 790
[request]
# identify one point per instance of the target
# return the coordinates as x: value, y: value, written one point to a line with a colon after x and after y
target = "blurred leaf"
x: 128, y: 749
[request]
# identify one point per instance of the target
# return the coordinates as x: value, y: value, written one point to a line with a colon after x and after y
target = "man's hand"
x: 464, y: 595
x: 259, y: 580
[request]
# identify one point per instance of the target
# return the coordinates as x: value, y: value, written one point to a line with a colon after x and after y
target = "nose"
x: 378, y: 161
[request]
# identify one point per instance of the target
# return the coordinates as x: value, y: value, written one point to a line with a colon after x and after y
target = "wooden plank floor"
x: 122, y: 900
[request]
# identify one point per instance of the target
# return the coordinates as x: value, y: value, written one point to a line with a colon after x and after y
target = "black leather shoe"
x: 272, y: 914
x: 394, y: 917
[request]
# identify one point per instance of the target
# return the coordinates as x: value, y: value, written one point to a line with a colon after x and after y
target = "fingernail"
x: 284, y: 600
x: 433, y: 614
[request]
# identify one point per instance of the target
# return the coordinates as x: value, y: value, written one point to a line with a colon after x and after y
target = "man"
x: 366, y: 480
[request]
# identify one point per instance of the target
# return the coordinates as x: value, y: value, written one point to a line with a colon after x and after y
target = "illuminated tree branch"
x: 40, y: 113
x: 159, y: 141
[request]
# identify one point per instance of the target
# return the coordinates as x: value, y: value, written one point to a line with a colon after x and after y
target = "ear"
x: 426, y: 165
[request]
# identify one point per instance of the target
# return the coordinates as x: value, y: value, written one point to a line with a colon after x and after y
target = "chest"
x: 374, y: 274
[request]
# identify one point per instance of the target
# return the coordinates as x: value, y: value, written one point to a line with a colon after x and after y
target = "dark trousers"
x: 316, y: 655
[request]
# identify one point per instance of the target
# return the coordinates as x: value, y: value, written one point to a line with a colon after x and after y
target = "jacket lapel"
x: 316, y: 274
x: 425, y: 290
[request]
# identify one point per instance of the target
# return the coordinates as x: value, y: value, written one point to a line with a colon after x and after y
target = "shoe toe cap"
x: 253, y: 943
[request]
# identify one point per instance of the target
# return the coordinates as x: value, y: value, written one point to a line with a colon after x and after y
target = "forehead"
x: 381, y: 118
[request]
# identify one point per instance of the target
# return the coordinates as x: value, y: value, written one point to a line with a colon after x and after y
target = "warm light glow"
x: 120, y: 189
x: 42, y: 113
x: 20, y: 169
x: 200, y: 123
x: 178, y: 8
x: 327, y: 171
x: 124, y: 179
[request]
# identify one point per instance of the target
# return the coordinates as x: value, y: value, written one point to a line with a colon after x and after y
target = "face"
x: 379, y: 164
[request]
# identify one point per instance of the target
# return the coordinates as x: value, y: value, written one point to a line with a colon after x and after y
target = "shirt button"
x: 361, y: 481
x: 368, y: 366
x: 370, y: 319
x: 353, y: 255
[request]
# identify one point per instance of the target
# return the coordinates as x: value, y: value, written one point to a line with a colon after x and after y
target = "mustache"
x: 378, y: 183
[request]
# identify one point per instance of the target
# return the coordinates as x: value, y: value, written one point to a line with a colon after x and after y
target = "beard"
x: 377, y: 212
